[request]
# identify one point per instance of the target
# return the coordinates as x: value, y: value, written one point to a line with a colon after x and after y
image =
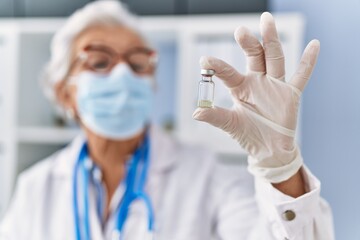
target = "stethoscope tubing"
x: 134, y: 191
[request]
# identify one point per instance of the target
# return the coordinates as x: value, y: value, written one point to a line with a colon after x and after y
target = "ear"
x: 63, y: 94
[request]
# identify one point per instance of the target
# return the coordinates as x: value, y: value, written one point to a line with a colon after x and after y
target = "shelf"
x: 47, y: 135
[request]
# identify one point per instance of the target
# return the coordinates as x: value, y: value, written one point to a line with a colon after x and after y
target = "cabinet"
x: 52, y: 8
x: 46, y: 8
x: 157, y: 7
x: 168, y: 7
x: 28, y: 129
x: 226, y: 6
x: 6, y: 8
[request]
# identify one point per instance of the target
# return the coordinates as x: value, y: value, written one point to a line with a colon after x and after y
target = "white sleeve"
x: 306, y: 217
x: 241, y: 213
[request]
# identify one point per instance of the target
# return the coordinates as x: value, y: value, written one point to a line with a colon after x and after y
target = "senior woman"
x: 123, y: 177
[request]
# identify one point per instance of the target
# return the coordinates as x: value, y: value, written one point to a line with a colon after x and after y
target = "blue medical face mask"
x: 117, y: 105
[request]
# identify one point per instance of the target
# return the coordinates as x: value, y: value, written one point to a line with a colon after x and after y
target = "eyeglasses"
x: 101, y: 59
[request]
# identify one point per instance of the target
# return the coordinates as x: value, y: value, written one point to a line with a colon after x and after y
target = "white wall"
x: 331, y: 107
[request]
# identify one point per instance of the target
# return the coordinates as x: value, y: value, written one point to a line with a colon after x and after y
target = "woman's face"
x: 103, y: 48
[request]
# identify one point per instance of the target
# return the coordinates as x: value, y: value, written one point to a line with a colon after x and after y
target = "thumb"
x: 217, y: 116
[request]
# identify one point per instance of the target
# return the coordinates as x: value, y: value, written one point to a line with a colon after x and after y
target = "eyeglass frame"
x: 116, y: 56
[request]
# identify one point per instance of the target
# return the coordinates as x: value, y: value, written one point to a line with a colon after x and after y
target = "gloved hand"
x: 264, y: 115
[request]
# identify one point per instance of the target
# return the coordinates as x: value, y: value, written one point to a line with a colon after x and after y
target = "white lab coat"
x: 194, y: 196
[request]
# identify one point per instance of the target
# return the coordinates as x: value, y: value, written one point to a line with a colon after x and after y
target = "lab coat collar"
x: 163, y: 154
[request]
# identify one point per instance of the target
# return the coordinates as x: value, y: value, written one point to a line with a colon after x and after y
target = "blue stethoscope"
x: 135, y: 181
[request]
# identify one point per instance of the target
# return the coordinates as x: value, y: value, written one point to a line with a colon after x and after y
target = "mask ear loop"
x: 69, y: 111
x: 71, y: 80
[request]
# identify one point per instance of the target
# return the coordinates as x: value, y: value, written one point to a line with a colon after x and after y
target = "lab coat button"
x: 289, y: 215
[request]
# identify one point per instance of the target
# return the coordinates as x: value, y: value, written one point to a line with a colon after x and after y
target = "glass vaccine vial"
x: 206, y: 89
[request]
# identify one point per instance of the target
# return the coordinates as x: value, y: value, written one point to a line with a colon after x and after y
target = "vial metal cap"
x: 207, y: 72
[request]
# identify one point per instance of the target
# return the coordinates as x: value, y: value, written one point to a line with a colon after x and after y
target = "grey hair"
x: 98, y: 13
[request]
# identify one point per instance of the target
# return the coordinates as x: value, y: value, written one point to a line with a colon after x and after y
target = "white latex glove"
x: 264, y: 116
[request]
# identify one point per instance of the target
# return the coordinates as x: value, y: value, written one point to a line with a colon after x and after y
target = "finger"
x: 253, y: 49
x: 306, y: 66
x: 216, y: 116
x: 224, y: 71
x: 274, y: 56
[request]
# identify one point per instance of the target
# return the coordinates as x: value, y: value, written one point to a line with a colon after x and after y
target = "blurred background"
x: 331, y: 106
x: 182, y: 31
